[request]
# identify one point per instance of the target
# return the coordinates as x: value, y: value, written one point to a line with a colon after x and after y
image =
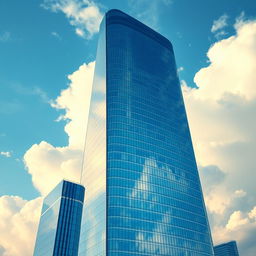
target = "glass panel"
x: 69, y: 222
x: 92, y: 241
x: 48, y: 223
x: 59, y: 228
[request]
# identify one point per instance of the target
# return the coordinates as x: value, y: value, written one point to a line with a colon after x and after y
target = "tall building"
x: 143, y: 193
x: 226, y: 249
x: 60, y: 222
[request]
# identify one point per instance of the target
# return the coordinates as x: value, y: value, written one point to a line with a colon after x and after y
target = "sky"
x: 47, y: 55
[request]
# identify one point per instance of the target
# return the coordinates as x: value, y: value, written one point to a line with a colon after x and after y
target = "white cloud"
x: 239, y: 227
x: 240, y: 193
x: 18, y: 225
x: 221, y: 119
x: 180, y: 69
x: 5, y: 153
x: 76, y: 101
x: 48, y: 165
x: 252, y: 213
x: 85, y: 15
x: 55, y: 34
x: 44, y: 160
x: 240, y: 20
x: 33, y: 91
x: 80, y: 32
x: 225, y: 100
x: 236, y: 219
x: 220, y: 23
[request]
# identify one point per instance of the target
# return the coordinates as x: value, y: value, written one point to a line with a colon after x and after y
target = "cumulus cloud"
x: 236, y: 219
x: 5, y: 153
x: 252, y: 213
x: 47, y: 165
x: 44, y: 160
x: 76, y: 101
x: 240, y: 193
x: 18, y: 225
x: 221, y: 119
x: 241, y: 226
x: 85, y: 15
x: 220, y: 23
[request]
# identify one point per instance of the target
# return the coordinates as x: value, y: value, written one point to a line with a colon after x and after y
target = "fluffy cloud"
x: 18, y: 225
x: 5, y: 153
x: 48, y: 165
x: 220, y: 23
x: 85, y: 15
x: 241, y: 226
x: 221, y: 114
x: 76, y: 101
x: 44, y: 160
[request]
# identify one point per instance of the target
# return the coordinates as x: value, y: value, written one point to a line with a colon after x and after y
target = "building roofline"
x: 146, y: 29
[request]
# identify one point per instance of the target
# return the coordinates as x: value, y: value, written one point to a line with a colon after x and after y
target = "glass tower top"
x: 143, y: 190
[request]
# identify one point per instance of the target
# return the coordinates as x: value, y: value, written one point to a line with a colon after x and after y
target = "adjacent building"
x: 143, y: 193
x: 60, y: 221
x: 226, y: 249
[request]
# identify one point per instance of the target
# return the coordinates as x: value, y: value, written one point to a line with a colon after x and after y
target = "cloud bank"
x: 18, y: 225
x: 221, y: 114
x: 49, y: 164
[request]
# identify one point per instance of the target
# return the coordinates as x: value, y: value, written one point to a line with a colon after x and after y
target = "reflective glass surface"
x: 143, y: 190
x: 93, y: 230
x: 59, y: 228
x: 227, y: 249
x: 154, y: 198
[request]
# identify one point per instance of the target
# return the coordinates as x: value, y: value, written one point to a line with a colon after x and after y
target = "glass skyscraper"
x: 226, y: 249
x: 143, y: 193
x: 59, y: 228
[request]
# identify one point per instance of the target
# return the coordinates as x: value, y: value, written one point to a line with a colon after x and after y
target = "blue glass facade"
x: 145, y: 197
x: 60, y: 222
x: 227, y: 249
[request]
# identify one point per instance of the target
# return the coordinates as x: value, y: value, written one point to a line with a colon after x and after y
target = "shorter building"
x: 60, y: 221
x: 227, y: 249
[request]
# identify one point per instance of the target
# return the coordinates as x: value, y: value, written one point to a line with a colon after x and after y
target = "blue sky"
x: 41, y: 43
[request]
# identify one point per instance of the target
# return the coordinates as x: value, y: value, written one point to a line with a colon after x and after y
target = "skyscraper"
x: 60, y: 222
x: 143, y: 190
x: 226, y: 249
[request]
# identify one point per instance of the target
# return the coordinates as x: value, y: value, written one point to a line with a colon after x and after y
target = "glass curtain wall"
x: 93, y: 230
x: 60, y: 222
x: 143, y: 190
x: 154, y: 199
